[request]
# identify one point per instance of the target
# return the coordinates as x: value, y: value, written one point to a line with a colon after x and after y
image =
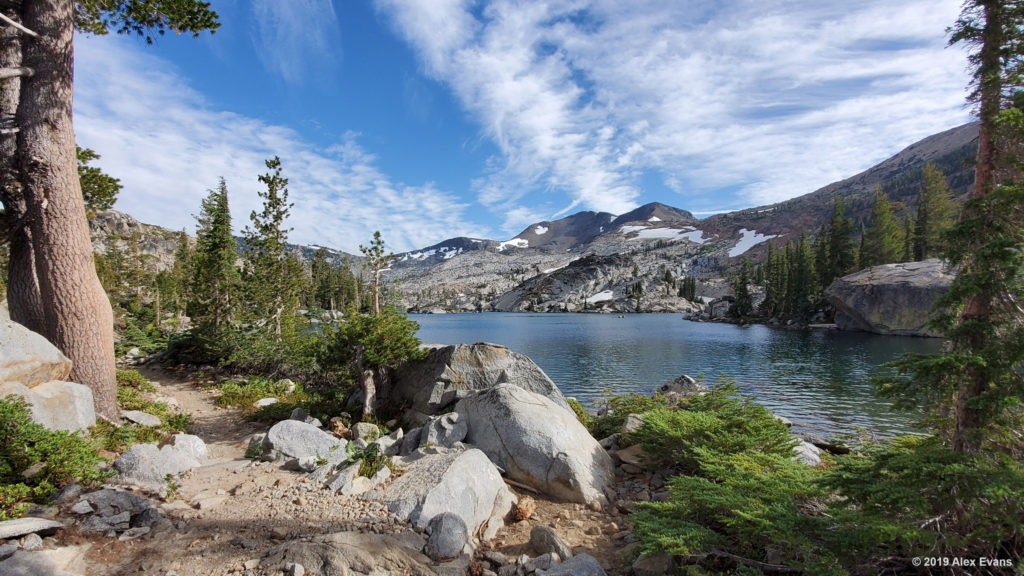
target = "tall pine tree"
x: 273, y: 278
x: 883, y: 240
x: 935, y: 213
x: 214, y: 275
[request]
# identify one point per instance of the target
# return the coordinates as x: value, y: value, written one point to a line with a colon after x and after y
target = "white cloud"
x: 770, y: 98
x: 168, y: 147
x: 295, y: 37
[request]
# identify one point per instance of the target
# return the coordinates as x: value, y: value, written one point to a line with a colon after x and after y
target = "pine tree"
x: 99, y: 190
x: 841, y: 250
x: 979, y: 382
x: 377, y: 260
x: 272, y: 277
x: 743, y: 305
x: 181, y: 273
x: 214, y: 276
x: 803, y: 292
x: 935, y: 213
x: 882, y: 241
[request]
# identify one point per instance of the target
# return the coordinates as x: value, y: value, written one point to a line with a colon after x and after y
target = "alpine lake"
x: 819, y: 379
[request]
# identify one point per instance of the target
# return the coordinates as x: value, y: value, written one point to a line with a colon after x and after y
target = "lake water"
x: 817, y: 379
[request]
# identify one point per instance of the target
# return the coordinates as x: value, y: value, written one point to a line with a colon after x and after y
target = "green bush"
x: 132, y: 379
x: 746, y: 503
x: 720, y: 422
x: 916, y: 497
x: 619, y: 407
x: 64, y: 457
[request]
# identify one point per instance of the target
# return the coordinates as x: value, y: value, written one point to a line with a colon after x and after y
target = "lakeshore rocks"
x: 537, y: 443
x: 452, y: 372
x: 890, y: 299
x: 682, y: 387
x: 461, y: 482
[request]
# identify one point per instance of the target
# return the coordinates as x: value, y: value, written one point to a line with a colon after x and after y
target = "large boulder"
x: 462, y: 482
x: 451, y: 372
x: 537, y: 443
x: 890, y: 299
x: 147, y: 466
x: 56, y: 405
x: 27, y: 357
x: 346, y: 553
x: 295, y: 439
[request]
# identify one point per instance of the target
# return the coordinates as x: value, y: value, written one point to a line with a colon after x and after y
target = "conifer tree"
x: 842, y: 253
x: 273, y: 278
x: 935, y: 213
x: 979, y: 382
x: 181, y: 274
x: 802, y: 293
x: 882, y: 241
x: 377, y: 260
x: 743, y: 305
x: 99, y: 190
x: 214, y: 276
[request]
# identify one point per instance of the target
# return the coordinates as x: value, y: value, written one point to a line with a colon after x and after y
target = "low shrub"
x: 620, y: 407
x: 720, y: 421
x: 56, y: 458
x: 915, y: 497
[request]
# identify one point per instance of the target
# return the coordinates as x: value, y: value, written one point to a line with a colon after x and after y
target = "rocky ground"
x: 223, y: 517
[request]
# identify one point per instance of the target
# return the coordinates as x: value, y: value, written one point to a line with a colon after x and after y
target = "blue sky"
x: 428, y: 119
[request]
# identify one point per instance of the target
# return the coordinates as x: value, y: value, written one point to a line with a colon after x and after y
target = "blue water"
x: 817, y: 379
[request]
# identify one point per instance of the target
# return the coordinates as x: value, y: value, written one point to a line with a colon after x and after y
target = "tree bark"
x: 979, y: 306
x: 76, y: 313
x: 22, y: 286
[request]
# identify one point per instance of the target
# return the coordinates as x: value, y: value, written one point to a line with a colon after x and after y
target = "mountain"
x: 539, y: 270
x: 596, y: 260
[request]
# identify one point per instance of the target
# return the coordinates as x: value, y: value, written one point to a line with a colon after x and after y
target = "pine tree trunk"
x: 76, y: 312
x: 22, y: 287
x: 974, y: 384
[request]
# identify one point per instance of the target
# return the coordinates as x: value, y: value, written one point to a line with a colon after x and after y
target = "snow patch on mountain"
x: 748, y: 239
x: 540, y: 230
x: 515, y: 243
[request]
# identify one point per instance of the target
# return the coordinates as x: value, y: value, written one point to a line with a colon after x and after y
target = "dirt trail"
x: 228, y: 512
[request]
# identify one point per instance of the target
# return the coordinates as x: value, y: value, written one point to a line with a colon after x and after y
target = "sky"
x: 430, y: 119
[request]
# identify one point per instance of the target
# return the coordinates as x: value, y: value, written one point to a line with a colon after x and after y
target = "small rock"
x: 6, y: 550
x: 580, y: 565
x: 22, y: 526
x: 542, y: 562
x: 262, y: 402
x: 544, y: 539
x: 251, y: 564
x: 365, y: 431
x: 497, y: 559
x: 294, y: 569
x: 448, y: 536
x: 32, y: 542
x: 82, y: 507
x: 141, y: 418
x: 133, y: 533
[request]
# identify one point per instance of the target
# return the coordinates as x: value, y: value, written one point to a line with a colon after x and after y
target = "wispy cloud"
x: 295, y: 37
x: 168, y: 147
x: 767, y: 99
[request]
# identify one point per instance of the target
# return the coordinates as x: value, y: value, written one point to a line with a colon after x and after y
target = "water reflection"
x: 817, y: 379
